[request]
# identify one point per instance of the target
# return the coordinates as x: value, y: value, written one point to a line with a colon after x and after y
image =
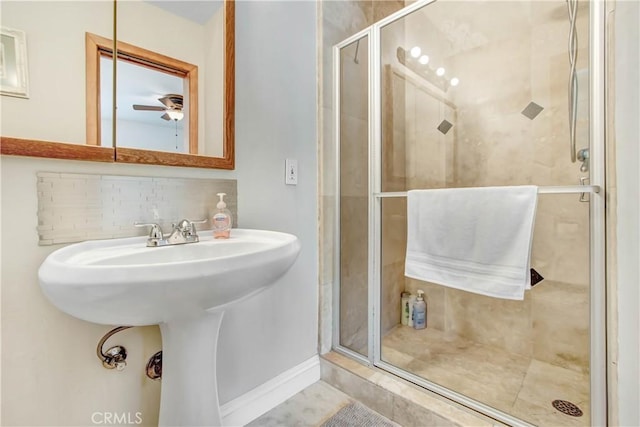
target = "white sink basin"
x: 123, y: 282
x: 183, y: 288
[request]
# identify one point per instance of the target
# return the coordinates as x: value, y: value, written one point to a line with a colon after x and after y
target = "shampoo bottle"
x: 404, y: 309
x: 420, y: 312
x: 412, y: 301
x: 221, y: 219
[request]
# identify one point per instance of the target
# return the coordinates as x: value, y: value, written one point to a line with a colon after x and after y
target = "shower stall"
x: 451, y: 94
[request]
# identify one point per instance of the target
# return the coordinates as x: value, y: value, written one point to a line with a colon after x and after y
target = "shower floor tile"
x: 515, y: 384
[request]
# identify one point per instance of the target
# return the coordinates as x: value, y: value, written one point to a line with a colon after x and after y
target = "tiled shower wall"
x: 77, y: 207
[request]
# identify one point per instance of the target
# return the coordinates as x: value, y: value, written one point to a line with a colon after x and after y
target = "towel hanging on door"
x: 473, y: 239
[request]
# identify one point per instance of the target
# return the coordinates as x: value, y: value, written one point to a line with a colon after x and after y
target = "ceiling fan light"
x: 175, y: 114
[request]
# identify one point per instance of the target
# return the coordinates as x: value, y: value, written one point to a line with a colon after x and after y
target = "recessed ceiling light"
x: 440, y: 71
x: 424, y: 59
x: 415, y: 51
x: 454, y: 81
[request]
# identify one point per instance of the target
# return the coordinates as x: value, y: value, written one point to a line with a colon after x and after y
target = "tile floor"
x: 311, y: 407
x: 518, y: 385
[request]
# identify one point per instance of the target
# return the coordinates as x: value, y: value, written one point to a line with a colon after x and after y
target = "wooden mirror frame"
x: 64, y: 150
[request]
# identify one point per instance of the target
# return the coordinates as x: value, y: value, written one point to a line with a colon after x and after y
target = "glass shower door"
x: 474, y: 94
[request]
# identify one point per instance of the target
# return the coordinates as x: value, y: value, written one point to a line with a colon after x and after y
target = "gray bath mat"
x: 357, y: 415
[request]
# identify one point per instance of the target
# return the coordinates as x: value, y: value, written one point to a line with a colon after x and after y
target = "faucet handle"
x: 197, y: 221
x: 187, y: 227
x: 156, y: 231
x: 187, y: 224
x: 183, y: 225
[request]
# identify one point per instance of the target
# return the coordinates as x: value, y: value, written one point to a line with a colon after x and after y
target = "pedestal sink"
x: 183, y: 288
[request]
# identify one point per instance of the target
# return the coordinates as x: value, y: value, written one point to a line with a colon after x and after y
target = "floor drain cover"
x: 567, y: 408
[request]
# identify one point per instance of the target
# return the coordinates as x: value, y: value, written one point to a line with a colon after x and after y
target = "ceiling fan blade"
x: 165, y: 116
x: 148, y: 108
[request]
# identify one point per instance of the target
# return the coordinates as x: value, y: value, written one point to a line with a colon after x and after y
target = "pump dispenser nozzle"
x: 221, y: 204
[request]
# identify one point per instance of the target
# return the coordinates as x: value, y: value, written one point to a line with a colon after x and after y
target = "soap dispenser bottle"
x: 221, y: 219
x: 420, y: 312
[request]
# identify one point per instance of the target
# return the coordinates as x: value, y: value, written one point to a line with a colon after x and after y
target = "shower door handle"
x: 583, y: 196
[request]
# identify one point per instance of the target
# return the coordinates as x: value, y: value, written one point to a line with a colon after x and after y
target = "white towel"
x: 473, y: 239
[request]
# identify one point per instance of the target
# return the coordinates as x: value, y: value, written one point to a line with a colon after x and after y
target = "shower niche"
x: 453, y: 94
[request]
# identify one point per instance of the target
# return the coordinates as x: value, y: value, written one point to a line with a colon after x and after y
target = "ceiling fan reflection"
x: 172, y: 107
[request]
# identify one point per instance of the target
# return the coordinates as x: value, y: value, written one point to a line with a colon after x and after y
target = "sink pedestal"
x: 189, y: 395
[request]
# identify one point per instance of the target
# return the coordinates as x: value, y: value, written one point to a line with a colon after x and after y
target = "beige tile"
x: 310, y: 407
x: 359, y: 388
x: 424, y: 407
x: 473, y: 379
x: 353, y: 366
x: 445, y: 408
x: 384, y: 8
x: 510, y: 383
x: 353, y: 157
x: 395, y: 357
x: 458, y: 364
x: 545, y: 382
x: 392, y: 287
x: 354, y: 79
x: 501, y: 323
x: 546, y: 416
x: 561, y: 324
x: 410, y: 415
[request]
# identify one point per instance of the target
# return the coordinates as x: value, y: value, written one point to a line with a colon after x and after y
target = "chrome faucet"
x: 183, y: 232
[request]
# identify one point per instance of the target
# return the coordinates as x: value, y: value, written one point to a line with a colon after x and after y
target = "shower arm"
x: 572, y: 8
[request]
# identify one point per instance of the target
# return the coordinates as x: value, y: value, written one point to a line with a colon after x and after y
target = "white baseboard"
x: 246, y: 408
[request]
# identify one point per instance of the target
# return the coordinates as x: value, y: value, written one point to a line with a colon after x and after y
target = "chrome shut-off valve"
x: 115, y: 357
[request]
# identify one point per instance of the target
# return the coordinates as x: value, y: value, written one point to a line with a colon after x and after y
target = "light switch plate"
x: 291, y: 172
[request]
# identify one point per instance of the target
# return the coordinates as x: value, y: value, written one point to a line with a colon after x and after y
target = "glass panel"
x: 485, y: 102
x: 354, y: 187
x: 476, y: 94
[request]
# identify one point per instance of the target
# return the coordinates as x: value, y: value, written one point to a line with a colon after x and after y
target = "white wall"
x: 627, y: 130
x: 50, y: 374
x: 59, y: 108
x: 275, y: 119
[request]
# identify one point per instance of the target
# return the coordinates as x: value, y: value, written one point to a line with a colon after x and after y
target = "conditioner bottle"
x: 420, y: 312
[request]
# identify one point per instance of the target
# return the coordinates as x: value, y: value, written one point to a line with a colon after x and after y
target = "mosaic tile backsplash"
x: 77, y: 207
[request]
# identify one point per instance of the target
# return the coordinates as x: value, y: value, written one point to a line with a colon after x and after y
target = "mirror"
x: 141, y: 74
x: 63, y: 134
